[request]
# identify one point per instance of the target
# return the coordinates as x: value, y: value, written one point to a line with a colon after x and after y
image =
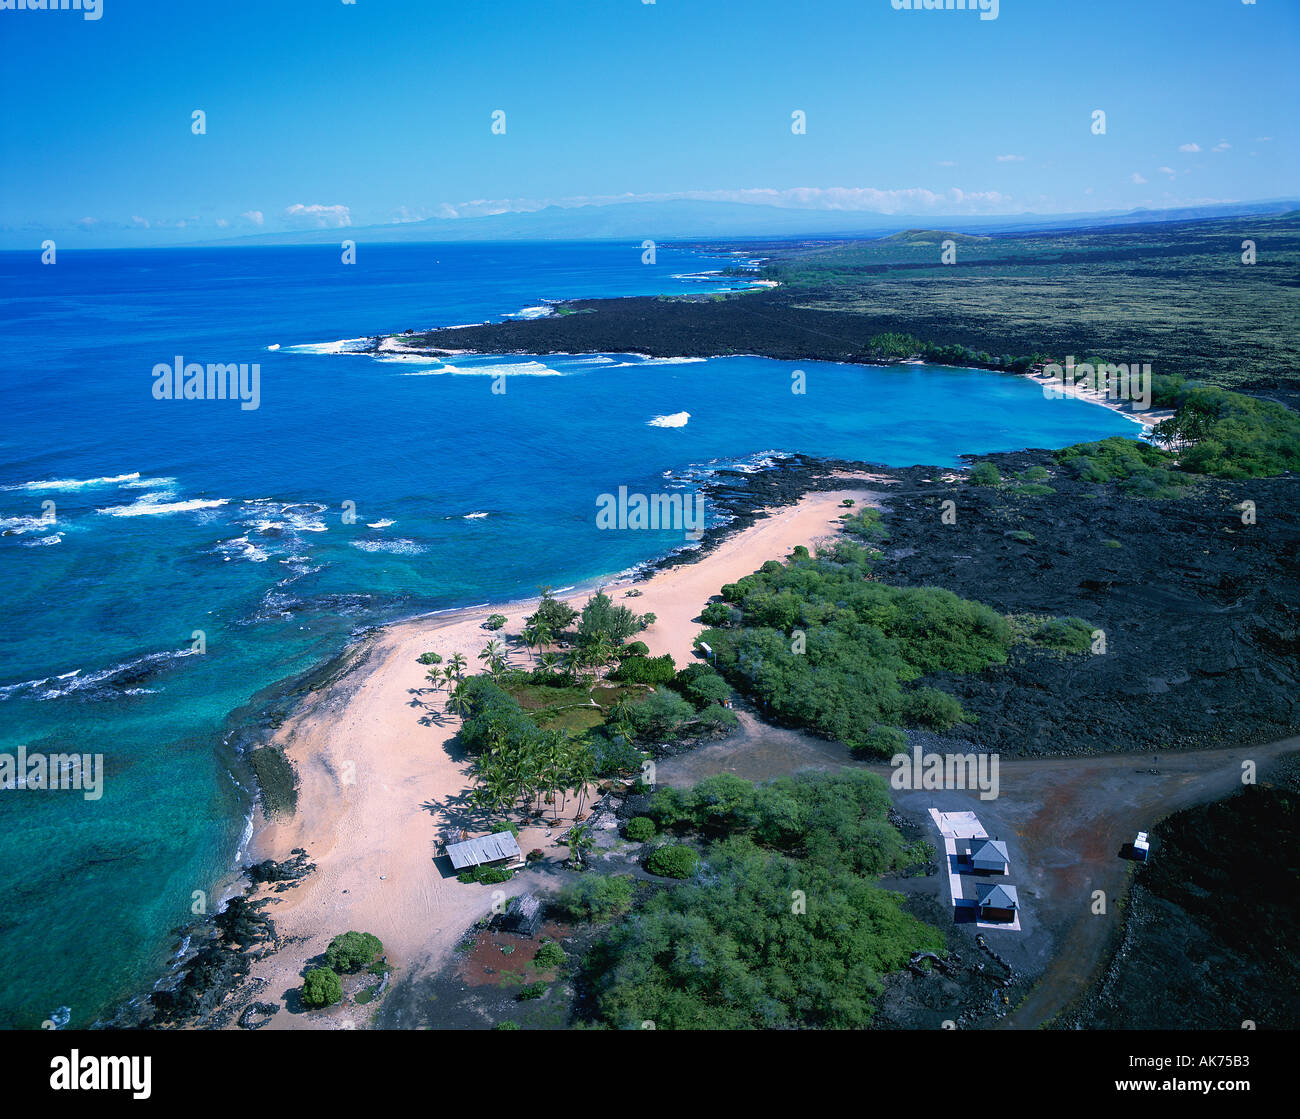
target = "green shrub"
x: 1035, y: 474
x: 321, y: 987
x: 660, y: 715
x: 549, y: 955
x: 351, y: 951
x: 674, y: 861
x: 634, y: 649
x: 495, y: 621
x: 430, y: 658
x: 1021, y: 535
x: 715, y: 718
x: 881, y: 742
x: 1069, y: 635
x: 595, y: 897
x: 506, y: 1026
x: 645, y: 670
x: 532, y: 991
x: 639, y: 829
x: 717, y: 614
x: 701, y: 684
x: 931, y: 708
x: 985, y: 474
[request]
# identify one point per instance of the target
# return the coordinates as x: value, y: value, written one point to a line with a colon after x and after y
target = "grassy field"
x: 1177, y: 294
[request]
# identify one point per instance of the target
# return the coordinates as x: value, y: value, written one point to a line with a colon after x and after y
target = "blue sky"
x: 322, y: 113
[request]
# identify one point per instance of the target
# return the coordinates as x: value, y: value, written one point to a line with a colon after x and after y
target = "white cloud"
x: 1138, y: 179
x: 1189, y: 147
x: 255, y: 216
x: 86, y: 223
x: 222, y: 223
x: 140, y: 223
x: 1166, y: 170
x: 1221, y: 146
x: 318, y: 216
x: 946, y: 163
x: 1011, y: 159
x: 1263, y: 139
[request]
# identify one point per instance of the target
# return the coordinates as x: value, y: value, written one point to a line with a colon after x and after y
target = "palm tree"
x: 448, y: 675
x: 582, y: 768
x: 600, y: 652
x: 581, y: 841
x: 457, y: 664
x: 494, y: 653
x: 530, y: 639
x: 548, y: 662
x: 458, y: 700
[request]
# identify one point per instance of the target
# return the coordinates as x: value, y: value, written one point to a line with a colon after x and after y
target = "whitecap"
x: 75, y: 483
x: 381, y: 524
x: 676, y: 419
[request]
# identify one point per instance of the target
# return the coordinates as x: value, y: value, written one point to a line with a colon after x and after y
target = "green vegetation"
x: 1065, y: 635
x: 675, y: 861
x: 866, y: 524
x: 1138, y: 468
x: 549, y: 955
x: 1172, y: 293
x: 352, y: 951
x: 862, y: 644
x: 985, y: 474
x: 486, y: 875
x: 788, y: 930
x: 430, y: 658
x: 640, y: 828
x: 532, y: 990
x: 595, y: 897
x: 1021, y: 535
x: 321, y: 987
x: 1230, y: 435
x: 495, y: 621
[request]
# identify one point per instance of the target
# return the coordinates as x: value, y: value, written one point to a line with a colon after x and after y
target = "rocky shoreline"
x: 1199, y: 611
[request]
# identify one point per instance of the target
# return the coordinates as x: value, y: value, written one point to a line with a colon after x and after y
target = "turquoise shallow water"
x: 172, y: 517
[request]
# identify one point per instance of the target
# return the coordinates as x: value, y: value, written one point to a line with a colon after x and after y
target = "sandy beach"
x: 1148, y: 419
x: 382, y: 780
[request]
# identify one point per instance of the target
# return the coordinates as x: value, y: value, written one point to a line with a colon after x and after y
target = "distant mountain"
x: 683, y: 219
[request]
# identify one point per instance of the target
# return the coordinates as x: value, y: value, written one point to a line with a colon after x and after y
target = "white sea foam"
x: 396, y: 547
x: 530, y: 313
x: 150, y: 506
x: 44, y: 541
x: 677, y: 419
x: 511, y: 369
x: 75, y: 483
x: 274, y: 346
x: 473, y: 516
x: 381, y: 524
x: 342, y: 346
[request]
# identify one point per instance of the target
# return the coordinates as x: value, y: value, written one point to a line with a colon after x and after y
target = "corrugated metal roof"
x: 486, y: 849
x: 998, y: 897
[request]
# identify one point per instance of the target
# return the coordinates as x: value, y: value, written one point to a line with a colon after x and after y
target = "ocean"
x: 166, y: 562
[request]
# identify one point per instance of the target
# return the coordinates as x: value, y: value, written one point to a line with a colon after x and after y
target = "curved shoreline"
x: 380, y: 774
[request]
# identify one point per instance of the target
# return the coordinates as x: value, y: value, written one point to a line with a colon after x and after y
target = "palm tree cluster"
x: 527, y: 772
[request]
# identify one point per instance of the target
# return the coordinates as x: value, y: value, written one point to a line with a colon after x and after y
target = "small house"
x: 1141, y: 847
x: 989, y: 856
x: 523, y: 916
x: 498, y: 849
x: 998, y: 903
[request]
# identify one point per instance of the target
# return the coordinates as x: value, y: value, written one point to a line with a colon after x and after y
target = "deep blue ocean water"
x: 177, y: 516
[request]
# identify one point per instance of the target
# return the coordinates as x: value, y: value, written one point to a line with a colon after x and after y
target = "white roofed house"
x: 989, y: 856
x: 499, y: 849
